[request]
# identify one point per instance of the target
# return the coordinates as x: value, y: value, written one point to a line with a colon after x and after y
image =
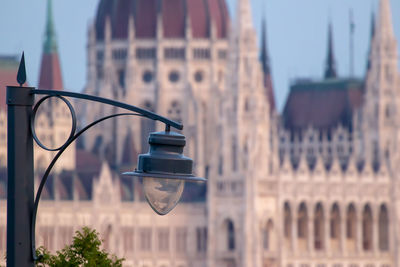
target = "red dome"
x: 174, y: 13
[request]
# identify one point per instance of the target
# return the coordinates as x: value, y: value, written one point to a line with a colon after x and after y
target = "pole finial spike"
x: 21, y: 76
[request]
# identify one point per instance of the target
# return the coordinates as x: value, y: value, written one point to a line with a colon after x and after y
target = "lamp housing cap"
x: 165, y: 158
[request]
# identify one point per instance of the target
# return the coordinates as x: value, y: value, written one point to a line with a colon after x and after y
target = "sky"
x: 296, y: 32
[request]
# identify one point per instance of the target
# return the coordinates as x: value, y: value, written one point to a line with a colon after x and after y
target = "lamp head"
x: 164, y: 170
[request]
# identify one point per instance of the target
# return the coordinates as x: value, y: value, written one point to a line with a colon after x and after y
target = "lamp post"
x: 164, y: 168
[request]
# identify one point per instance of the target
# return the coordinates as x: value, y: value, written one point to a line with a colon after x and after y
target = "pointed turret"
x: 330, y: 68
x: 265, y: 63
x: 50, y: 71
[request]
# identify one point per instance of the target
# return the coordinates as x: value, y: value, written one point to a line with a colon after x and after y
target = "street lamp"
x: 164, y: 169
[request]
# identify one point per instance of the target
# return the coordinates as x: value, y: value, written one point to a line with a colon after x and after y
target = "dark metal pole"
x: 20, y: 176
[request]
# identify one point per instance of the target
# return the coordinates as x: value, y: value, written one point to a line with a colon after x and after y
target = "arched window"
x: 335, y: 222
x: 230, y: 237
x: 302, y: 228
x: 351, y: 222
x: 220, y: 165
x: 147, y: 126
x: 383, y: 229
x: 302, y: 222
x: 319, y: 227
x: 234, y: 154
x: 267, y: 232
x: 287, y: 220
x: 367, y: 228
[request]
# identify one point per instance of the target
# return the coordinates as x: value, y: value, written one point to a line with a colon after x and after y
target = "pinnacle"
x: 384, y: 26
x: 243, y: 15
x: 50, y: 43
x: 330, y: 69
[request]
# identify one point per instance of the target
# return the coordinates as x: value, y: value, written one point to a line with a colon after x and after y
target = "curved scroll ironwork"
x: 145, y: 113
x: 49, y: 168
x: 33, y: 117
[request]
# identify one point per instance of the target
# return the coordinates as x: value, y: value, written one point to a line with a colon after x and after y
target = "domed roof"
x: 173, y: 12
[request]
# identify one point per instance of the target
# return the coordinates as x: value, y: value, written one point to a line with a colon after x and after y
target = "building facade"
x: 315, y: 186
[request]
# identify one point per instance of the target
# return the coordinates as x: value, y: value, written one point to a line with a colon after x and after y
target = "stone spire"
x: 266, y: 67
x: 330, y: 68
x: 50, y: 43
x: 383, y: 37
x: 50, y: 71
x: 381, y: 86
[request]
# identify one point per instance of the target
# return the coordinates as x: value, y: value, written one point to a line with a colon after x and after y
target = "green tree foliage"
x: 84, y: 251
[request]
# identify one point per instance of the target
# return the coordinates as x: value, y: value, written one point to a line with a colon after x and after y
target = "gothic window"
x: 181, y: 239
x: 119, y: 54
x: 100, y: 56
x: 383, y: 229
x: 99, y: 72
x: 302, y: 222
x: 121, y: 78
x: 267, y: 235
x: 146, y: 53
x: 287, y: 220
x: 220, y: 165
x: 163, y: 239
x: 145, y: 239
x: 201, y: 53
x: 247, y: 104
x: 175, y: 111
x: 367, y: 228
x: 147, y: 76
x: 351, y: 222
x: 230, y: 235
x: 387, y: 111
x: 319, y: 227
x: 147, y: 126
x: 375, y: 150
x: 201, y: 237
x: 335, y: 222
x: 173, y: 76
x: 234, y: 154
x: 174, y: 53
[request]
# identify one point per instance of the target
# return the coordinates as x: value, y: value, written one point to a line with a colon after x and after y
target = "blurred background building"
x: 313, y: 186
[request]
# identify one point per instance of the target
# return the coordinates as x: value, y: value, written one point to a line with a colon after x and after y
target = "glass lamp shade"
x: 164, y: 170
x: 163, y: 194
